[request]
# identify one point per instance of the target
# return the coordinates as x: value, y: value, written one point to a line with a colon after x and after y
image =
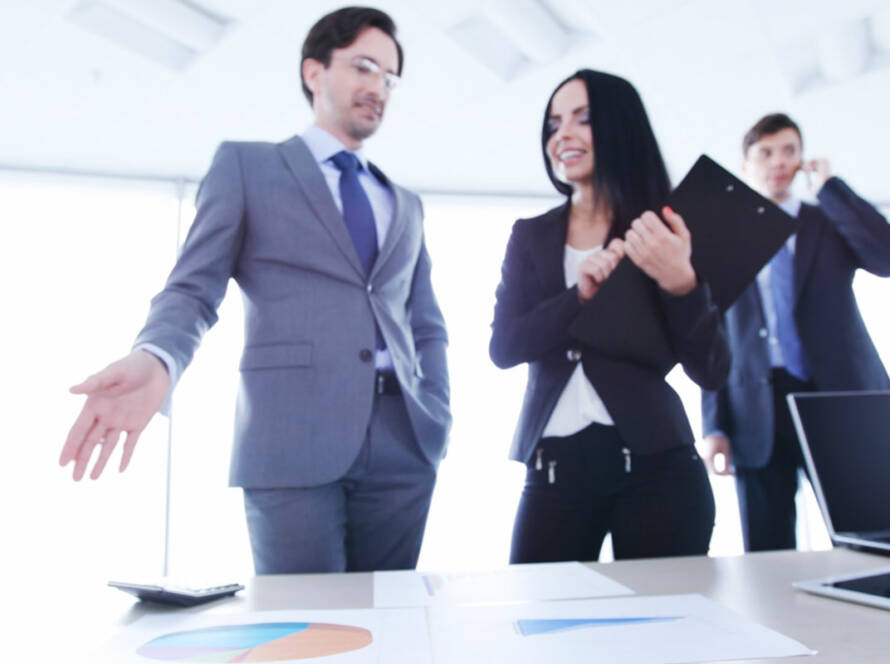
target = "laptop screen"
x: 848, y: 436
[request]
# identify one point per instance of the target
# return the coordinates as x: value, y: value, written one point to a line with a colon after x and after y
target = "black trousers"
x: 580, y: 487
x: 766, y: 495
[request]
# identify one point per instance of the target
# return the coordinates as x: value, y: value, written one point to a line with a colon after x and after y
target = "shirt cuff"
x: 172, y: 371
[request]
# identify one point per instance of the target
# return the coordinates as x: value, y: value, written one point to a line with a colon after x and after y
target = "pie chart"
x: 259, y: 642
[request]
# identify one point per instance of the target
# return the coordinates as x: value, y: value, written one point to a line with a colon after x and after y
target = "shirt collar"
x: 323, y: 145
x: 791, y: 205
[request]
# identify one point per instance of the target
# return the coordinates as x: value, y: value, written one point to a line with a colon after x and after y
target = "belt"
x: 385, y: 382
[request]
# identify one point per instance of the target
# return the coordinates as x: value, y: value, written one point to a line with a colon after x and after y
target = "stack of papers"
x: 518, y: 614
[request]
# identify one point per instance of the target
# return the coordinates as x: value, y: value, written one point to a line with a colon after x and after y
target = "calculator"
x: 178, y: 595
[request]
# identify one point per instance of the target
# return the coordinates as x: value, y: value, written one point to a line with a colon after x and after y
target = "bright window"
x: 80, y: 261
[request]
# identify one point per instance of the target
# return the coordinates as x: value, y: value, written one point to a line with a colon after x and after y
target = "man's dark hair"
x: 629, y: 175
x: 338, y: 30
x: 769, y: 124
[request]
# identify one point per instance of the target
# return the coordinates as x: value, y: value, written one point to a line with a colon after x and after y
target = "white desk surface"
x: 756, y: 585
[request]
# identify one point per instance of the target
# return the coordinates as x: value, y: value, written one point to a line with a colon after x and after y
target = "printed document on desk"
x: 667, y: 629
x: 515, y: 583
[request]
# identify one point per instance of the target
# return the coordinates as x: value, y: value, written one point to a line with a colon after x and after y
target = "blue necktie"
x: 358, y: 215
x: 781, y: 278
x: 357, y: 212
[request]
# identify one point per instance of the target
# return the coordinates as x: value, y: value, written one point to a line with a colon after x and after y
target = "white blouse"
x: 579, y: 404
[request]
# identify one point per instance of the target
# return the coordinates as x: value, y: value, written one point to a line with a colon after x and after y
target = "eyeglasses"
x: 366, y: 67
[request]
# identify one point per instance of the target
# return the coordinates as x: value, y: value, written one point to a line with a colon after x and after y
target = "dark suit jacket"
x: 531, y: 319
x: 266, y: 218
x: 835, y: 238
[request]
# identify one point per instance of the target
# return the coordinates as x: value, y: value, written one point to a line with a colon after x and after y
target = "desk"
x: 758, y: 586
x: 755, y: 585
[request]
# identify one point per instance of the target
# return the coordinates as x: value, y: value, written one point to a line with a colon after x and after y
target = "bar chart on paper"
x: 551, y: 626
x: 257, y: 642
x: 662, y: 629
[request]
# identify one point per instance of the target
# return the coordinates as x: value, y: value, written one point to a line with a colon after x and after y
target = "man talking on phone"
x: 795, y: 329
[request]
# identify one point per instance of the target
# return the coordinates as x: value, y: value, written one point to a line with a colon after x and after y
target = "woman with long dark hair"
x: 607, y: 445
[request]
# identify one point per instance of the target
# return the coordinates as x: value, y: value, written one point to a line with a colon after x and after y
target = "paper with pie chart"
x: 258, y: 642
x: 335, y: 637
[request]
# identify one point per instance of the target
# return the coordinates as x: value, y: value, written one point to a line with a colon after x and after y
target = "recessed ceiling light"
x: 170, y: 32
x: 488, y: 44
x: 509, y: 36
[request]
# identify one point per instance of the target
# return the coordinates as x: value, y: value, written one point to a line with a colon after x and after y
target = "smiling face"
x: 349, y: 97
x: 570, y: 146
x: 771, y: 163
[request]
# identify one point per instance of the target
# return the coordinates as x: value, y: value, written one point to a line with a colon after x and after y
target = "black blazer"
x: 531, y: 319
x: 840, y: 235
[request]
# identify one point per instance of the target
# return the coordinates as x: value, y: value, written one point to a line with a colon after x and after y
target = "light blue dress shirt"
x: 792, y: 207
x: 323, y: 147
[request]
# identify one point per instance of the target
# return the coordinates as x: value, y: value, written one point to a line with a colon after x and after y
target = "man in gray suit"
x: 342, y: 414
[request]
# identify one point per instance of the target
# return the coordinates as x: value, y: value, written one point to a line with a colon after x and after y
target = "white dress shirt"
x: 579, y: 404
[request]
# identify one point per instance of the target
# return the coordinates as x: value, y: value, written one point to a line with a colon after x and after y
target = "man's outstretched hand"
x: 122, y: 398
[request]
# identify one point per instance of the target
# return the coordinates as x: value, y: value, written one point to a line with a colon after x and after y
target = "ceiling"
x: 707, y: 69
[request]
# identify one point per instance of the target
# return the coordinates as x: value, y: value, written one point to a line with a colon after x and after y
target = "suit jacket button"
x: 573, y: 355
x: 370, y: 288
x: 365, y: 355
x: 762, y: 332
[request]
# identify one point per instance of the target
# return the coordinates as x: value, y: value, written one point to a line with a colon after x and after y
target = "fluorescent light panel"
x: 508, y: 36
x: 845, y: 51
x: 530, y: 27
x: 182, y: 21
x: 169, y: 32
x: 577, y: 16
x: 488, y: 44
x: 880, y: 30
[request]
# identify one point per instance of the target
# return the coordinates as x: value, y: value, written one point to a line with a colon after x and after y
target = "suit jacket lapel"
x: 399, y: 219
x: 751, y: 302
x: 811, y: 230
x: 548, y: 252
x: 315, y: 188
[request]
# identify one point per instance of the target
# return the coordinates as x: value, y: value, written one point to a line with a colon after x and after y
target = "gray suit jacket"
x: 266, y: 218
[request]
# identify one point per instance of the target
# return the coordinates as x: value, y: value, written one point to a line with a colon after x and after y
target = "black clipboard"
x: 735, y: 231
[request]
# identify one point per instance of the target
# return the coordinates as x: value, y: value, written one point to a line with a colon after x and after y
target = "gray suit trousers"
x: 372, y: 518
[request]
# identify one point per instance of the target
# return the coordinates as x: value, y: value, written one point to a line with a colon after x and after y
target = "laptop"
x: 845, y: 440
